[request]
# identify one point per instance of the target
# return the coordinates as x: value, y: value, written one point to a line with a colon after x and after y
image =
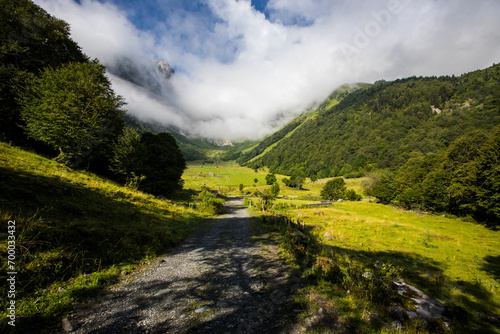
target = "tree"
x: 382, y: 186
x: 73, y: 109
x: 334, y: 189
x: 126, y: 155
x: 275, y: 190
x: 270, y: 179
x: 30, y: 40
x: 299, y: 181
x: 155, y: 161
x: 266, y: 199
x: 475, y: 186
x: 161, y: 162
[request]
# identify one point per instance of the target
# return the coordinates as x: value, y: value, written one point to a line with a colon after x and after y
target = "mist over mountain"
x: 244, y: 70
x: 153, y: 78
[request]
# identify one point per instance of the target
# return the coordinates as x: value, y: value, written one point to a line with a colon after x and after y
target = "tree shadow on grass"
x: 426, y: 274
x: 492, y: 266
x: 64, y: 229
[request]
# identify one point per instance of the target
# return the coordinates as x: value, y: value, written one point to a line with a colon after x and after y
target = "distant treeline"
x: 57, y: 101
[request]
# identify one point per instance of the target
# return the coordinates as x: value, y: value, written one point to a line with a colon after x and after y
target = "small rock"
x: 412, y: 315
x: 66, y: 325
x: 221, y: 303
x: 375, y: 320
x: 398, y: 312
x: 309, y: 322
x: 202, y: 309
x: 397, y: 325
x: 162, y: 292
x: 321, y: 313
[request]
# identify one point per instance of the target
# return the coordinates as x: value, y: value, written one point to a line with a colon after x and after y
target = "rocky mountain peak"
x: 164, y: 68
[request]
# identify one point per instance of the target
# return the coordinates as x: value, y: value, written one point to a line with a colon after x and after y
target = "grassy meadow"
x: 76, y: 233
x: 454, y: 260
x: 224, y: 175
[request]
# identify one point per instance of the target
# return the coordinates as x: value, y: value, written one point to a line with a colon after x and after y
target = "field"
x: 224, y: 175
x: 227, y: 177
x: 454, y: 260
x: 72, y: 223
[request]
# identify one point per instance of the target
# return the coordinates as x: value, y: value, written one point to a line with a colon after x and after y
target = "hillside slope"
x: 74, y: 233
x: 388, y: 123
x: 266, y: 144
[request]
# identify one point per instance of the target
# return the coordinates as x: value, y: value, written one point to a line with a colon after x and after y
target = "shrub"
x: 270, y: 179
x: 334, y: 189
x: 209, y: 202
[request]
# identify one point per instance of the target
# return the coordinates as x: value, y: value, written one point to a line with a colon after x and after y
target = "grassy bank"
x: 75, y: 233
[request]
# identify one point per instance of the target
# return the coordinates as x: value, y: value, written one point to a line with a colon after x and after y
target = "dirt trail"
x: 226, y: 279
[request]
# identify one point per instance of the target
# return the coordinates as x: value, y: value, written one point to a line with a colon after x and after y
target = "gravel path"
x: 226, y: 279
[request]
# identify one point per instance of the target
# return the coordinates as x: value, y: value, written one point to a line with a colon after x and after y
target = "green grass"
x: 76, y: 232
x: 227, y: 175
x: 455, y: 261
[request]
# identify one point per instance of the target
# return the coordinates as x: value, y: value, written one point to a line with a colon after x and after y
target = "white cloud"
x: 241, y: 75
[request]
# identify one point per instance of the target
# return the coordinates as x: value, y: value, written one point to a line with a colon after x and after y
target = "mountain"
x: 192, y: 149
x: 249, y: 154
x: 382, y: 125
x: 153, y: 77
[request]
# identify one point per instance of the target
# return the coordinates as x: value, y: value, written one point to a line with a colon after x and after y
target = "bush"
x: 334, y: 189
x: 382, y: 186
x: 351, y: 195
x: 208, y: 202
x: 270, y: 179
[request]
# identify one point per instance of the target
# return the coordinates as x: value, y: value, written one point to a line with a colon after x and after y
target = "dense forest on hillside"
x: 389, y: 123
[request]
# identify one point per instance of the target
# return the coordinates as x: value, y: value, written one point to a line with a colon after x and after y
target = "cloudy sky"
x: 243, y: 67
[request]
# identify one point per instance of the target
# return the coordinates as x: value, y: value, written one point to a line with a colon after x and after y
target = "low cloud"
x: 241, y: 73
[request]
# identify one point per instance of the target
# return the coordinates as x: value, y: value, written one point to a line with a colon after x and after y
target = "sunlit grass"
x: 449, y: 258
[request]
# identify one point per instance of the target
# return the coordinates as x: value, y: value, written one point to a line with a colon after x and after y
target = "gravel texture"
x: 226, y: 278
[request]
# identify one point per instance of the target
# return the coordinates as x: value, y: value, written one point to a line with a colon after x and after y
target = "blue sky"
x: 244, y: 68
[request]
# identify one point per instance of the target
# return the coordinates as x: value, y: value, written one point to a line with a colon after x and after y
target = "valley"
x: 147, y: 210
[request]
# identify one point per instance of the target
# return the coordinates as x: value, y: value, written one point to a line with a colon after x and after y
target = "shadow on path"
x: 221, y: 280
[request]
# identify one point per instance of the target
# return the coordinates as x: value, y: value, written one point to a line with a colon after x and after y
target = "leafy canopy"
x: 73, y: 109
